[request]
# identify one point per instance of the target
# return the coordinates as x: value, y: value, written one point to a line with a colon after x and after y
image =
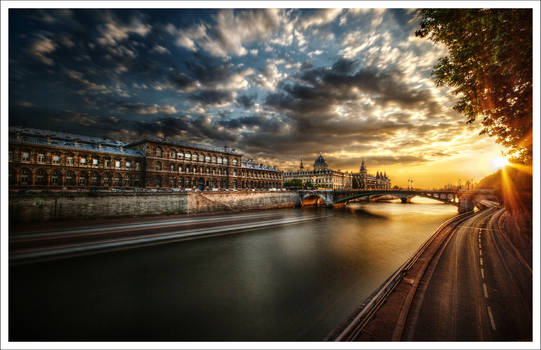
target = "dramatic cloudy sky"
x: 278, y: 84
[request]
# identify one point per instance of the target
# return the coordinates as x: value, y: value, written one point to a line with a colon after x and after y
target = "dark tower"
x: 363, y: 175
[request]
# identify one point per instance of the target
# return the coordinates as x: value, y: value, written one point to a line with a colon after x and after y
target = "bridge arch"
x: 314, y: 199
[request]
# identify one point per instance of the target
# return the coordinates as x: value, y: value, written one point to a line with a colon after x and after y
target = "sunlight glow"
x: 499, y: 162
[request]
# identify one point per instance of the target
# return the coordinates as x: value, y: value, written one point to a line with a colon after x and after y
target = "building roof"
x: 320, y: 163
x: 251, y: 165
x: 173, y: 142
x: 70, y: 141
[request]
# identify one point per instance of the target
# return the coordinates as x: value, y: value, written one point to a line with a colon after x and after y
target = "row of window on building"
x: 70, y: 159
x: 196, y: 157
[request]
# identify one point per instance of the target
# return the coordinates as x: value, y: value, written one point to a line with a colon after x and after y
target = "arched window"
x: 158, y: 181
x: 225, y: 161
x: 207, y: 158
x: 180, y: 155
x: 107, y: 179
x: 95, y: 179
x: 117, y: 180
x: 41, y: 177
x: 82, y: 159
x: 173, y: 154
x: 172, y: 182
x: 25, y: 156
x: 188, y: 156
x: 195, y: 157
x: 70, y: 178
x: 235, y: 161
x: 214, y: 159
x: 26, y: 177
x: 41, y: 157
x: 172, y: 167
x: 83, y: 179
x: 158, y: 166
x: 207, y: 170
x: 158, y: 152
x: 201, y: 158
x: 219, y: 160
x: 56, y: 158
x: 180, y: 168
x: 56, y: 178
x: 187, y: 169
x: 127, y: 180
x: 69, y: 159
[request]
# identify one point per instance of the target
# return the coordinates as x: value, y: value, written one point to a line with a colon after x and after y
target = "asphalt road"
x: 475, y: 289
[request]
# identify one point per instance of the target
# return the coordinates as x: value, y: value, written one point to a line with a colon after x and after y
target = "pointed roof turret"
x: 363, y: 167
x: 302, y: 165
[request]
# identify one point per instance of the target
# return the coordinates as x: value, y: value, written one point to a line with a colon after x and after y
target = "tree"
x: 489, y: 65
x: 293, y: 183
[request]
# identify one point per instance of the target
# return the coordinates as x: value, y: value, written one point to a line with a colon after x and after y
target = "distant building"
x: 48, y: 160
x: 366, y: 181
x: 321, y: 176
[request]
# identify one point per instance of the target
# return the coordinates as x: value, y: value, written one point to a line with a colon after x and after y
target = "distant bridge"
x: 465, y: 200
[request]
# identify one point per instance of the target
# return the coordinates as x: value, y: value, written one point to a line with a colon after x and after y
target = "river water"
x: 285, y: 283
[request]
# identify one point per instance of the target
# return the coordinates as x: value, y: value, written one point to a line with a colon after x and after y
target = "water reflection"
x: 293, y: 282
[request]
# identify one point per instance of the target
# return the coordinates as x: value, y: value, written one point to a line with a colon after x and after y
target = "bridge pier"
x: 465, y: 204
x: 405, y: 199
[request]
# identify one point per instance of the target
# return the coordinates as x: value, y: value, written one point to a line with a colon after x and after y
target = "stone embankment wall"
x: 207, y: 202
x: 37, y: 207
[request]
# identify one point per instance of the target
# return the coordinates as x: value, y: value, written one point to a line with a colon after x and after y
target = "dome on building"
x: 320, y: 164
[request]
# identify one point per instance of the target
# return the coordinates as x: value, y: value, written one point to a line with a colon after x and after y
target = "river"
x: 285, y: 283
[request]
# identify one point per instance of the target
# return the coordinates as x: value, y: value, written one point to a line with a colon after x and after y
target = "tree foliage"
x: 489, y: 65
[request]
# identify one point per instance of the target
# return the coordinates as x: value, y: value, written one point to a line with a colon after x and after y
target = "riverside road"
x: 476, y: 289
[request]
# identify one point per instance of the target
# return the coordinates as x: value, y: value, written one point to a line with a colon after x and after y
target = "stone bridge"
x: 465, y: 200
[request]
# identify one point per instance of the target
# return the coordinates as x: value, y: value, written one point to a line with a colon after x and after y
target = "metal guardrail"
x: 372, y: 304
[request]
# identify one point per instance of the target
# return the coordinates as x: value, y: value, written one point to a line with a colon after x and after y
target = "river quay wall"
x: 41, y: 207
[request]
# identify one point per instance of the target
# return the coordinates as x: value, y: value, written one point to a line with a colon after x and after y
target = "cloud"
x: 212, y: 97
x: 143, y: 109
x: 79, y: 77
x: 41, y: 47
x: 230, y: 32
x: 160, y: 49
x: 246, y: 101
x: 114, y: 32
x: 320, y: 17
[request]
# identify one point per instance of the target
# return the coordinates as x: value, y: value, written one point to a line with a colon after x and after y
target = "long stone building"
x: 321, y: 176
x: 42, y: 159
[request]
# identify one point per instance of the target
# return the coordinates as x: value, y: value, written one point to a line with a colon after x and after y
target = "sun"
x: 499, y: 162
